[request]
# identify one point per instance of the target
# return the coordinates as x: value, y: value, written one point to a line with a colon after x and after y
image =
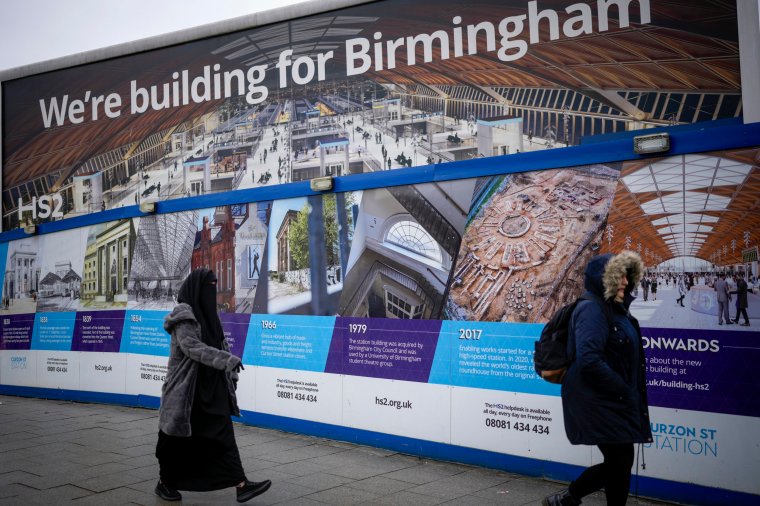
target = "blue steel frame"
x: 684, y: 139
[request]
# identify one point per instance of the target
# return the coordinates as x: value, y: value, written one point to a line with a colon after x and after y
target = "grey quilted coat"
x: 187, y: 351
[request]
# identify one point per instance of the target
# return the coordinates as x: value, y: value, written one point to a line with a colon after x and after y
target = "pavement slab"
x: 59, y: 452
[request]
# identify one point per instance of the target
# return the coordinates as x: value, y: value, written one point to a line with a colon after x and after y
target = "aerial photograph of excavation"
x: 528, y: 238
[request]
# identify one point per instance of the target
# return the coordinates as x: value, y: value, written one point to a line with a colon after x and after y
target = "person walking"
x: 653, y: 287
x: 604, y: 397
x: 196, y: 447
x: 723, y: 297
x: 645, y: 287
x: 681, y: 291
x: 741, y: 300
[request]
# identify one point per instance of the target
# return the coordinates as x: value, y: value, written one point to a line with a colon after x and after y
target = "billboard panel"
x: 380, y: 86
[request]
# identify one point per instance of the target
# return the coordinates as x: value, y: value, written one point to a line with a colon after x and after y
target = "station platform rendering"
x: 54, y: 452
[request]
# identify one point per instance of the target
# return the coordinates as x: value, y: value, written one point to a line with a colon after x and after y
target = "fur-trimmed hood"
x: 604, y: 272
x: 626, y: 263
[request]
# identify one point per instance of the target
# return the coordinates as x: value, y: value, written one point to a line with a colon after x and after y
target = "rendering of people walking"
x: 653, y: 287
x: 196, y: 447
x: 723, y: 297
x: 645, y: 288
x: 604, y: 398
x: 681, y: 291
x: 741, y: 300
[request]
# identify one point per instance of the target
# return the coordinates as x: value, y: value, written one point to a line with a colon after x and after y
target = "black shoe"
x: 729, y: 322
x: 251, y: 489
x: 745, y: 324
x: 167, y: 493
x: 561, y: 499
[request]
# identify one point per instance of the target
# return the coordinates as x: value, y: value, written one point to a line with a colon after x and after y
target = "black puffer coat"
x: 604, y: 396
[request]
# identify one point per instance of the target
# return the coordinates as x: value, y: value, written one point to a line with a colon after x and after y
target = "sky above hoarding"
x: 37, y: 30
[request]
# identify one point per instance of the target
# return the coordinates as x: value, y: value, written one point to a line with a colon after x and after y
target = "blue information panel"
x: 53, y: 331
x: 495, y: 356
x: 144, y: 333
x: 289, y: 342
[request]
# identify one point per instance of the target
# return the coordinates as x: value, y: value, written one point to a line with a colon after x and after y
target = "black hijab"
x: 199, y: 292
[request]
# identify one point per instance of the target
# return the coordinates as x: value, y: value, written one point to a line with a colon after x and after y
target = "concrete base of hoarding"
x: 338, y: 470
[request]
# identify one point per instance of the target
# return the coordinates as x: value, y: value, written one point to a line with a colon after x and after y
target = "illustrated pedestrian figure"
x: 653, y: 287
x: 255, y: 273
x: 723, y: 298
x: 196, y: 447
x: 604, y: 398
x: 681, y: 291
x: 389, y: 163
x: 741, y: 300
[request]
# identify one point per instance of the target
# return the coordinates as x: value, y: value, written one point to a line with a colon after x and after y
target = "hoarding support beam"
x: 749, y: 53
x: 317, y: 257
x: 343, y: 246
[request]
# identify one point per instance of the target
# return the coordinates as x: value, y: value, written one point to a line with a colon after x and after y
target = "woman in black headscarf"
x: 196, y: 447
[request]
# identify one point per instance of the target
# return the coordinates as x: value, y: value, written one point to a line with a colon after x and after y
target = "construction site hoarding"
x: 373, y: 87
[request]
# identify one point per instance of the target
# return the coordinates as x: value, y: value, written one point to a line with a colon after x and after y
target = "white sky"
x: 32, y: 31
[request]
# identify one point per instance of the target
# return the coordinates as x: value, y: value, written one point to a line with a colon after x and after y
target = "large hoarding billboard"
x: 373, y: 87
x: 429, y: 334
x: 408, y: 310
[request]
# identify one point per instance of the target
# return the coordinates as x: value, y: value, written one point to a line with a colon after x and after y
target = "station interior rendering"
x: 632, y: 77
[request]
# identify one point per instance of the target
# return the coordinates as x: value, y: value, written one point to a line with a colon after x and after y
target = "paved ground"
x: 53, y: 452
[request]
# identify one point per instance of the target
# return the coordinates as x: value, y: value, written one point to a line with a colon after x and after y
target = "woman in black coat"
x: 741, y: 299
x: 604, y: 397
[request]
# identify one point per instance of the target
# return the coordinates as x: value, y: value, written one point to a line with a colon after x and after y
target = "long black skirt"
x: 207, y: 460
